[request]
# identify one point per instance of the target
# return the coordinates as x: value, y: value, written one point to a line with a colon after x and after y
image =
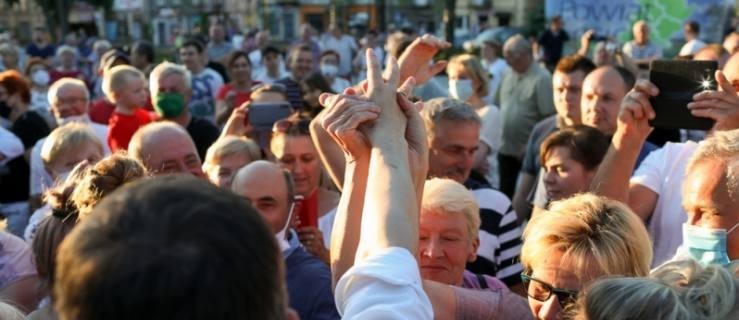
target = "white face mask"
x: 329, y: 70
x: 282, y: 235
x: 460, y: 89
x: 83, y: 118
x: 41, y: 77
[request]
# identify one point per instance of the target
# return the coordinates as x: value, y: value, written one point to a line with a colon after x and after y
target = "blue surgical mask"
x: 706, y: 245
x: 461, y: 89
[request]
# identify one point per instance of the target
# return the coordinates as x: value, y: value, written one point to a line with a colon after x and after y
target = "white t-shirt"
x: 326, y: 224
x: 340, y: 84
x: 662, y: 171
x: 491, y: 133
x: 205, y: 86
x: 40, y: 178
x: 496, y: 71
x: 34, y: 221
x: 691, y: 47
x: 385, y: 285
x: 10, y: 146
x: 345, y: 46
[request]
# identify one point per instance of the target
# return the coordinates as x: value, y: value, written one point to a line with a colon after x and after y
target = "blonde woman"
x: 577, y: 241
x: 226, y: 156
x: 469, y: 82
x: 61, y: 151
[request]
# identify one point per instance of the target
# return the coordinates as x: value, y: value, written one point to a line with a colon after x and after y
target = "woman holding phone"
x: 293, y: 149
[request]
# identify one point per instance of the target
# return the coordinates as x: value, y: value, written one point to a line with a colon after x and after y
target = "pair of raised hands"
x: 382, y: 115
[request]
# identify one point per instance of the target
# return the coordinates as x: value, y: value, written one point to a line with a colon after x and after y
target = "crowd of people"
x: 308, y: 181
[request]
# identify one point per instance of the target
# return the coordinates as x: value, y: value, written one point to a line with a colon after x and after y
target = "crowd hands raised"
x: 366, y: 202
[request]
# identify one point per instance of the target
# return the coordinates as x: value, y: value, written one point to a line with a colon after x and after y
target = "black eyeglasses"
x: 542, y: 291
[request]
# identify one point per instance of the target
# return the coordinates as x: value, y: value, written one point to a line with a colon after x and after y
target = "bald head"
x: 267, y: 187
x: 602, y: 92
x: 166, y: 148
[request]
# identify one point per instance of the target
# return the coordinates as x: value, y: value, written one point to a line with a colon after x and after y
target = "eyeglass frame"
x: 564, y: 296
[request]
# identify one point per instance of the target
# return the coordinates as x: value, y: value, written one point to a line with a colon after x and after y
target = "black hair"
x: 174, y: 247
x: 145, y: 49
x: 193, y: 42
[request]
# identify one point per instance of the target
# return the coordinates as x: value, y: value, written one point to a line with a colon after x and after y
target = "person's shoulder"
x: 545, y: 126
x: 491, y: 199
x: 302, y: 262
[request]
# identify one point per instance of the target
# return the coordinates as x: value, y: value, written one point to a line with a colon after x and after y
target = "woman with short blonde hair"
x: 578, y: 240
x: 226, y: 156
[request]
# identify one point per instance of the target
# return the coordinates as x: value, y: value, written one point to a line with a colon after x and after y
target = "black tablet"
x: 678, y: 81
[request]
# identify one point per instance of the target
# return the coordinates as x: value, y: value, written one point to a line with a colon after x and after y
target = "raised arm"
x: 612, y: 178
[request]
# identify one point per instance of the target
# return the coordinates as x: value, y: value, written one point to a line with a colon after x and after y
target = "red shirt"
x: 240, y: 98
x: 102, y: 109
x: 121, y: 128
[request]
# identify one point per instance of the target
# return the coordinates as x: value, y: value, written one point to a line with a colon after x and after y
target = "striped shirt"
x: 294, y: 94
x: 500, y: 236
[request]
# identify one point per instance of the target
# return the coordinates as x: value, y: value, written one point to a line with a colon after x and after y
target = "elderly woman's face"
x: 445, y: 246
x: 298, y: 155
x: 555, y: 273
x: 222, y: 171
x: 68, y: 159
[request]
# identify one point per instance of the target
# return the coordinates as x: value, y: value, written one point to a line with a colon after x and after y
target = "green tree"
x: 56, y: 12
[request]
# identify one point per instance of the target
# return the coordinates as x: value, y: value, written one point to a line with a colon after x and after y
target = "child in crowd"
x: 126, y: 87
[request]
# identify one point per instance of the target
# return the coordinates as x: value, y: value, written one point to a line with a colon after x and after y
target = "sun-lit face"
x: 67, y: 159
x: 602, y: 93
x: 560, y: 274
x: 452, y: 148
x: 563, y: 176
x: 298, y: 155
x: 445, y: 246
x: 567, y: 93
x: 222, y: 171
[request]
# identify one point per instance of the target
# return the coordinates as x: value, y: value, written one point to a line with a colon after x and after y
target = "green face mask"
x: 169, y: 104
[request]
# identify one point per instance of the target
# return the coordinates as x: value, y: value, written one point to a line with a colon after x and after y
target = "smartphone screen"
x: 678, y: 81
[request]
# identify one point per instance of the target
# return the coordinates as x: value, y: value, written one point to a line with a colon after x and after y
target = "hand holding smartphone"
x: 678, y: 81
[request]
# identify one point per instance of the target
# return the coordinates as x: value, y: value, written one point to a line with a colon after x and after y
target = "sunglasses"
x: 287, y: 125
x: 542, y: 291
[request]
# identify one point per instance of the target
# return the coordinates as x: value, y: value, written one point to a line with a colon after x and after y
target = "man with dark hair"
x: 567, y: 86
x: 691, y: 32
x: 271, y: 70
x: 602, y: 92
x: 552, y: 41
x: 300, y: 63
x: 205, y: 81
x: 269, y: 189
x: 171, y: 248
x: 142, y: 57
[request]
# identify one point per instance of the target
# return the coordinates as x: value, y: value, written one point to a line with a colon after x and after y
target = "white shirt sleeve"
x: 10, y: 146
x: 650, y: 172
x: 386, y: 285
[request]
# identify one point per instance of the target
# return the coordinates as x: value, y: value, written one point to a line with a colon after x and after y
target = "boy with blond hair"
x: 125, y: 86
